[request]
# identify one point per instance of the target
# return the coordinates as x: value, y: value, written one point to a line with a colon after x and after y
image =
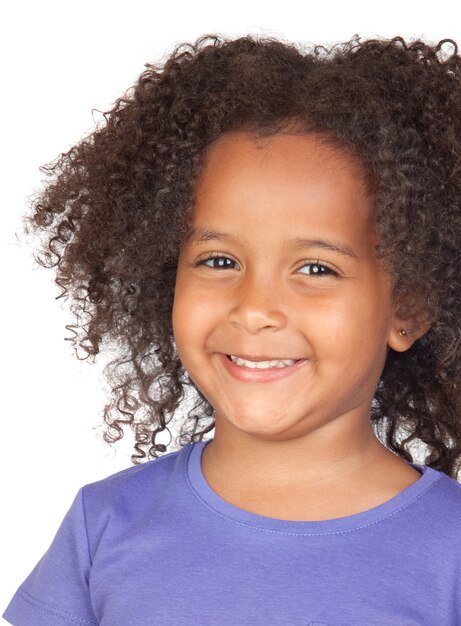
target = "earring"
x: 402, y: 332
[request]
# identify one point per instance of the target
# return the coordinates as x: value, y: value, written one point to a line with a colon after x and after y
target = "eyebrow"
x: 200, y: 235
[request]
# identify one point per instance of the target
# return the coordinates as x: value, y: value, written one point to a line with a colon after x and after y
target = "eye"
x: 217, y: 261
x: 315, y: 268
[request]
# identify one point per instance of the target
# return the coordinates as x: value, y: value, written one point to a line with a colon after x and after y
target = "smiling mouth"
x: 262, y: 363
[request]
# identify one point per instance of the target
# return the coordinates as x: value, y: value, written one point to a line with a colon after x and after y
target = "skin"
x: 301, y: 447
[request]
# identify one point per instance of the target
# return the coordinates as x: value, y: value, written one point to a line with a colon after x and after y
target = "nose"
x: 258, y: 305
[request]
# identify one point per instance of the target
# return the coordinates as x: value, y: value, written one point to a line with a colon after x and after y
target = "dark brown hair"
x: 116, y: 210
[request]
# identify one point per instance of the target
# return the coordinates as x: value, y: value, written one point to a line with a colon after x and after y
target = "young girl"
x: 273, y: 234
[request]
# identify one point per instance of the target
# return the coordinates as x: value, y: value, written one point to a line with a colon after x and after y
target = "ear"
x: 404, y: 333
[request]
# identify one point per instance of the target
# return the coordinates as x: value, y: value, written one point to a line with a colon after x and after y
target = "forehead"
x: 282, y: 182
x: 299, y: 151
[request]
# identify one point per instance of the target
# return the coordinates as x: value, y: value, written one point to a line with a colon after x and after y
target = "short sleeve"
x: 56, y: 593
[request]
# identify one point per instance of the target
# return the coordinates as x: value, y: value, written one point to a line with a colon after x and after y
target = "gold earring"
x: 402, y: 332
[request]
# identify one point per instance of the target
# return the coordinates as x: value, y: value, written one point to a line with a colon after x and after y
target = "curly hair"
x: 117, y: 209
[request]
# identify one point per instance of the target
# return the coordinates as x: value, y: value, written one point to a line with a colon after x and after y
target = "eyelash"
x: 326, y: 270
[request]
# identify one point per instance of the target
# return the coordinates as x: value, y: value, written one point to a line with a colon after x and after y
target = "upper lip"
x: 259, y: 357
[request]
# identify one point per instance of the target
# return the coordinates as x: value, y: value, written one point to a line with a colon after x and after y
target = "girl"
x: 276, y: 231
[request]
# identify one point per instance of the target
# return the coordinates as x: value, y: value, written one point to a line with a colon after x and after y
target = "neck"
x: 340, y: 451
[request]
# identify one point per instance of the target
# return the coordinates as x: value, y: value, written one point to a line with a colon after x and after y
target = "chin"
x: 261, y: 423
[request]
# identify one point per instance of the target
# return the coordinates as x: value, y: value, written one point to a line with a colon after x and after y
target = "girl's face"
x: 280, y: 265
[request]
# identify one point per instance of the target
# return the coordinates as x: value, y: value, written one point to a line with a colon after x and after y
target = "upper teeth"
x: 262, y: 364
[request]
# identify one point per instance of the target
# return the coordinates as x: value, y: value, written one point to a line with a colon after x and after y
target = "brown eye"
x: 218, y: 262
x: 317, y: 269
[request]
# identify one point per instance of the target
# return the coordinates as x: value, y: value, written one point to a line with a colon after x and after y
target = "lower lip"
x: 253, y: 375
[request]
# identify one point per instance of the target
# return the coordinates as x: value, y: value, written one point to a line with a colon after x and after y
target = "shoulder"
x: 440, y: 505
x: 134, y: 492
x: 138, y: 477
x: 444, y: 489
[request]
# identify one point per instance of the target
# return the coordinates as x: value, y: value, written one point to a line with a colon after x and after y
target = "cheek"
x: 190, y: 317
x: 180, y: 315
x: 348, y: 324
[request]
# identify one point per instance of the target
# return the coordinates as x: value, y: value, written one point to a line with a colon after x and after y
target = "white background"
x: 58, y: 61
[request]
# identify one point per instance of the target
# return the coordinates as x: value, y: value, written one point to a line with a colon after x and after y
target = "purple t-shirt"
x: 154, y: 544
